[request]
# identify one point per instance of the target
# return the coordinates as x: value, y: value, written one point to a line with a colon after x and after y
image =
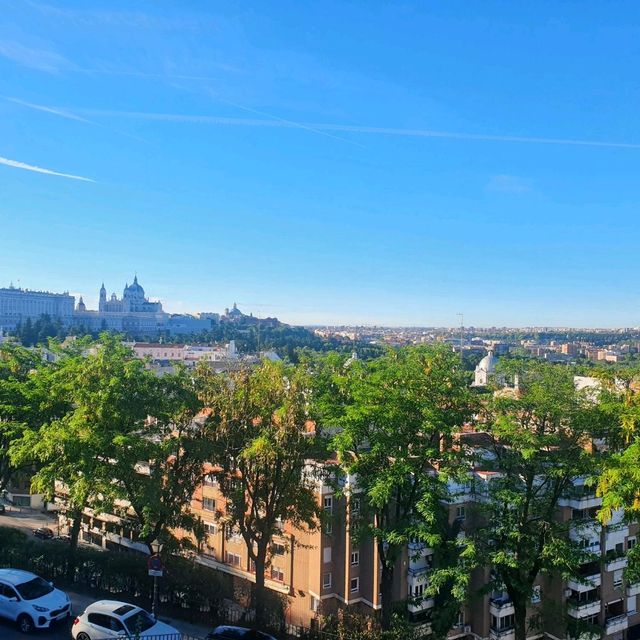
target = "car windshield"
x: 139, y: 621
x: 33, y: 589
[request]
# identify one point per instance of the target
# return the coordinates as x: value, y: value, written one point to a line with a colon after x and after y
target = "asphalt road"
x: 9, y: 631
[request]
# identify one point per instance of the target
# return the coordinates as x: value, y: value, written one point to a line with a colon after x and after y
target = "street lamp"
x: 155, y: 570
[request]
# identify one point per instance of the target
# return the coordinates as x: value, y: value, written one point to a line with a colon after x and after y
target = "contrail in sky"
x: 29, y: 167
x: 57, y: 112
x: 64, y: 113
x: 348, y: 128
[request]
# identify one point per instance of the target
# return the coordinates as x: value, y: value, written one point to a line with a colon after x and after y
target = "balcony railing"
x: 616, y: 623
x: 613, y: 562
x: 590, y: 582
x: 500, y: 602
x: 583, y: 608
x: 502, y: 634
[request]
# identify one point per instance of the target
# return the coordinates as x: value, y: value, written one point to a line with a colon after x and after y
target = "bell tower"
x: 103, y: 298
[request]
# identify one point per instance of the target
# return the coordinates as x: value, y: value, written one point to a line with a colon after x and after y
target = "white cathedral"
x: 134, y: 313
x: 133, y: 300
x: 485, y: 369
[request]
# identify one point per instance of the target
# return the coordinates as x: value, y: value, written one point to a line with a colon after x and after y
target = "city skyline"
x: 326, y: 164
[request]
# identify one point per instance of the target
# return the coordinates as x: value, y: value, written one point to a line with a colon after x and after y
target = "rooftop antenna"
x: 461, y: 315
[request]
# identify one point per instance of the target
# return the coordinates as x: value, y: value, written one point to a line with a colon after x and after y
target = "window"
x: 277, y: 574
x: 503, y: 622
x: 210, y: 480
x: 418, y: 590
x: 535, y: 595
x: 355, y: 506
x: 328, y: 503
x: 7, y: 591
x: 460, y: 621
x: 328, y: 527
x: 210, y: 528
x: 326, y: 555
x: 631, y: 542
x: 617, y: 578
x: 234, y: 559
x: 326, y: 581
x: 355, y: 558
x: 104, y: 621
x: 354, y: 585
x: 208, y: 504
x: 314, y: 604
x: 461, y: 513
x: 277, y: 549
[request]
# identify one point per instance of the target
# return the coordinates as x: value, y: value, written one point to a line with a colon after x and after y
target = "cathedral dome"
x: 134, y: 290
x: 488, y: 363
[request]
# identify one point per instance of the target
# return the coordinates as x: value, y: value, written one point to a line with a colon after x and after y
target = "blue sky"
x: 327, y: 162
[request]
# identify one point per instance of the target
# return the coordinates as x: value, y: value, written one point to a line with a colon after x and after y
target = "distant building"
x: 485, y: 369
x: 134, y: 313
x: 18, y: 305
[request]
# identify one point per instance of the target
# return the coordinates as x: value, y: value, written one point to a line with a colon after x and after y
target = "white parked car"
x: 111, y: 619
x: 31, y: 601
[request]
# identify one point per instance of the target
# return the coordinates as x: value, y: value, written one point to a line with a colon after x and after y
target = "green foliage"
x: 396, y: 415
x: 262, y: 444
x: 538, y: 443
x: 25, y: 403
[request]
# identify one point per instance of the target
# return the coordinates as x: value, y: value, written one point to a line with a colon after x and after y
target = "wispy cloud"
x: 125, y: 19
x: 504, y: 183
x: 65, y: 113
x: 29, y: 167
x: 40, y: 59
x: 57, y: 112
x: 348, y: 128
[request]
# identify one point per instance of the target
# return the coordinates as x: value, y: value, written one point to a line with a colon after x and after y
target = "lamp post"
x: 155, y: 570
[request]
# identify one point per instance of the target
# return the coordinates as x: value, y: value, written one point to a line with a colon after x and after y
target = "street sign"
x: 154, y: 565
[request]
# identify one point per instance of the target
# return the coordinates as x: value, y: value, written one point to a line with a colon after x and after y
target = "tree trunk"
x: 520, y: 611
x: 73, y: 544
x: 259, y: 589
x: 386, y: 588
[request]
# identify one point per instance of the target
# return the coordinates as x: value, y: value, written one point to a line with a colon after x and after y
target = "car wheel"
x: 25, y: 623
x: 82, y: 636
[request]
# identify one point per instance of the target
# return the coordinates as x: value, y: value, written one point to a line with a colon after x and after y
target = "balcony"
x: 616, y: 624
x: 613, y: 563
x: 577, y: 609
x: 499, y: 607
x: 422, y: 605
x: 508, y: 633
x: 633, y: 589
x: 588, y: 528
x: 587, y: 501
x: 592, y: 581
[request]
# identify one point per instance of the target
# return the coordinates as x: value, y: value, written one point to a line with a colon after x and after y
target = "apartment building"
x: 322, y: 570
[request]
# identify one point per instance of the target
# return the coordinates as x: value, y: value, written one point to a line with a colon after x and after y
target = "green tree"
x: 25, y: 403
x: 158, y: 463
x: 538, y: 442
x: 396, y: 416
x: 106, y: 391
x: 619, y: 483
x: 263, y: 446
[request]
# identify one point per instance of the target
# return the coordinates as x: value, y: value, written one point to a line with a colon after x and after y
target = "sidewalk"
x: 81, y: 601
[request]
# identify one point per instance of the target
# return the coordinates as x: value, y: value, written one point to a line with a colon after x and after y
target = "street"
x: 9, y: 631
x: 27, y: 519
